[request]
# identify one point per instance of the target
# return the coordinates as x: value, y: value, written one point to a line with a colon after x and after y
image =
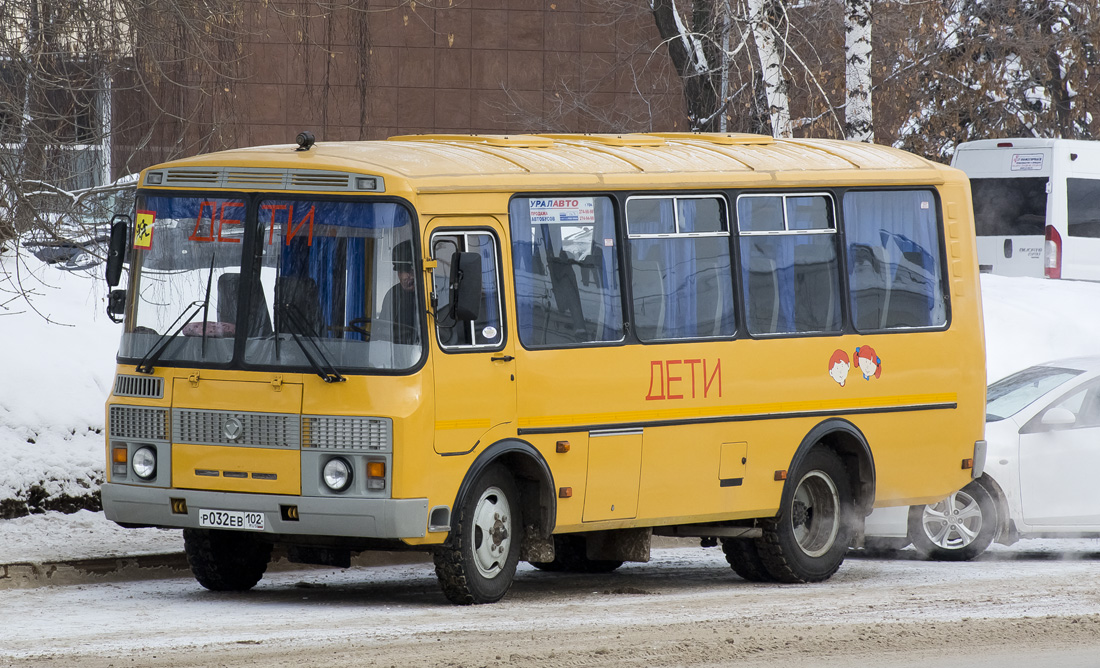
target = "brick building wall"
x: 387, y: 67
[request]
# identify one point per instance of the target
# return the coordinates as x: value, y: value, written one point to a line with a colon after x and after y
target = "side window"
x: 789, y: 268
x: 680, y: 275
x: 566, y: 270
x: 1083, y: 202
x: 894, y: 272
x: 452, y: 332
x: 1082, y: 404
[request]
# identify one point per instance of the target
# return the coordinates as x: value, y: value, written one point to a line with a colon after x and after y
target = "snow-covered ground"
x: 57, y: 362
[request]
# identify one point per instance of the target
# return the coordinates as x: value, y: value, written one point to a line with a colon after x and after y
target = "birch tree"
x: 770, y: 50
x: 858, y: 111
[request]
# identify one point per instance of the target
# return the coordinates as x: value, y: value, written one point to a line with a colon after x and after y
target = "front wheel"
x: 226, y: 560
x: 478, y: 561
x: 958, y: 528
x: 807, y: 540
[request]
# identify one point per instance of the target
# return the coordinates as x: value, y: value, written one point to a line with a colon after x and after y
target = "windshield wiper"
x: 297, y: 321
x: 146, y: 364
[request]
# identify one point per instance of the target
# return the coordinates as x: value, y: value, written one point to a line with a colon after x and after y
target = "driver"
x: 399, y: 304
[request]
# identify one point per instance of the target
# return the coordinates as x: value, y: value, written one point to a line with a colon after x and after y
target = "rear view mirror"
x: 116, y: 251
x: 466, y: 286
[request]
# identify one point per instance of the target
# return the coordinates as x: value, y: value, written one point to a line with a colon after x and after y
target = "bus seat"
x: 300, y: 296
x: 763, y: 298
x: 567, y: 297
x: 259, y: 322
x: 709, y: 296
x: 649, y: 299
x: 814, y: 291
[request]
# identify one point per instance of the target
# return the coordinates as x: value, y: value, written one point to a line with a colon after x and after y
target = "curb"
x: 28, y: 575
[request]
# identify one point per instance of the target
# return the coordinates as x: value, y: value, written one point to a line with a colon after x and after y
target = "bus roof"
x: 437, y: 163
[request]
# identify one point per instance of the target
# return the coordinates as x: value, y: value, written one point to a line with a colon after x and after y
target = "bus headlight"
x: 144, y: 462
x: 337, y: 474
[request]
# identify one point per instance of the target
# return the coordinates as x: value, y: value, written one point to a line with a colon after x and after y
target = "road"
x: 1022, y: 606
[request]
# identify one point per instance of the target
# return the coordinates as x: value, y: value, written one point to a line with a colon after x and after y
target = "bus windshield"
x: 323, y: 285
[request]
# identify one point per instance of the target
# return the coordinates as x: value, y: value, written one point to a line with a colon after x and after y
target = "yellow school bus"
x: 546, y: 348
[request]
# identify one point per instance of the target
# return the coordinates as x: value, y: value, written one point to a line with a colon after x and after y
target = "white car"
x: 1041, y: 470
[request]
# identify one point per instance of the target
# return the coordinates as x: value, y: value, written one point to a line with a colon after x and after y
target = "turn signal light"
x: 118, y: 455
x: 376, y: 475
x: 563, y: 446
x: 780, y: 475
x: 968, y: 463
x: 565, y: 492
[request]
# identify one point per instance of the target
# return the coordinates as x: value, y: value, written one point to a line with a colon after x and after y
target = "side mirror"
x: 116, y: 251
x: 466, y: 286
x: 116, y: 305
x: 1059, y: 417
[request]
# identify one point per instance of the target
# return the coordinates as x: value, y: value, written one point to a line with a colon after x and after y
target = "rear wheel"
x: 958, y: 528
x: 742, y: 556
x: 571, y: 556
x: 478, y: 561
x: 807, y: 540
x: 226, y: 560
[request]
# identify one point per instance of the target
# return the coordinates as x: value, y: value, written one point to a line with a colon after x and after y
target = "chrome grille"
x: 263, y: 430
x: 148, y: 387
x: 332, y: 432
x: 138, y: 423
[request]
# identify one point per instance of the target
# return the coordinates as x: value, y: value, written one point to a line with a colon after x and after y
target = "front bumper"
x: 317, y: 516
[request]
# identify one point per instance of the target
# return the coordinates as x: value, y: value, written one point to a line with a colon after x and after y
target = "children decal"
x: 839, y: 365
x: 868, y: 362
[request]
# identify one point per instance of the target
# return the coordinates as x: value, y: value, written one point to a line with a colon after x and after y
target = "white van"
x: 1036, y: 205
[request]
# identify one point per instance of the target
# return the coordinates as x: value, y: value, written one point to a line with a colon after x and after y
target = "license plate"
x: 231, y: 519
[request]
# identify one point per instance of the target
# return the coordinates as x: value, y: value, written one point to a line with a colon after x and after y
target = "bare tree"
x: 858, y: 110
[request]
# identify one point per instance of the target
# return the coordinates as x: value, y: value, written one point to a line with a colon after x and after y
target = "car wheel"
x: 958, y: 528
x: 226, y: 560
x: 478, y: 561
x: 743, y: 558
x: 808, y: 539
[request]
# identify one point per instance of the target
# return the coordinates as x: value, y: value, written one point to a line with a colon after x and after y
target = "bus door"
x: 473, y: 360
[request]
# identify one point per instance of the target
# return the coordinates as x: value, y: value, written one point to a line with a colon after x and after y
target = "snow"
x: 57, y: 361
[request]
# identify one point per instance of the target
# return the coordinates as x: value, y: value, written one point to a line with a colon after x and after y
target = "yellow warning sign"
x: 143, y: 230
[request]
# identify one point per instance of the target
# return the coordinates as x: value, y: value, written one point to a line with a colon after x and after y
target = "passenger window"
x: 1083, y: 207
x: 681, y: 280
x: 453, y: 332
x: 566, y: 270
x: 789, y: 267
x: 894, y: 272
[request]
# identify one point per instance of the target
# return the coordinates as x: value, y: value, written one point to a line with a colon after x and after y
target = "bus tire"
x: 807, y: 540
x: 571, y: 556
x: 478, y: 561
x: 958, y: 528
x: 226, y: 560
x: 743, y: 557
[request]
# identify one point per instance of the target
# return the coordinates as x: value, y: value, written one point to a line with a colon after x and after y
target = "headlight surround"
x: 144, y: 462
x: 337, y: 474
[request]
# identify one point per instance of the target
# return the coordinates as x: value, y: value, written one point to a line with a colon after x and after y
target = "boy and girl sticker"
x: 865, y: 358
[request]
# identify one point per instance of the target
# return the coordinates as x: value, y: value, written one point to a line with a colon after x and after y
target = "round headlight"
x: 144, y: 462
x: 337, y: 474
